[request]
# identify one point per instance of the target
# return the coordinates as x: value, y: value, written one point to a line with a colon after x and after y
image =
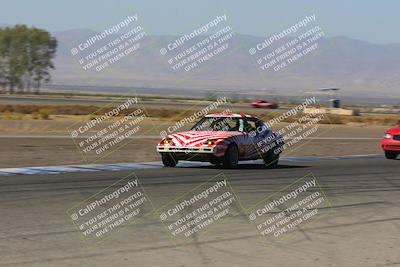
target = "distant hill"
x: 356, y: 66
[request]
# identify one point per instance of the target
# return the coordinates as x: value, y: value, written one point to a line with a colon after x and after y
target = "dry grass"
x: 375, y: 119
x: 45, y: 111
x: 14, y: 112
x: 51, y: 109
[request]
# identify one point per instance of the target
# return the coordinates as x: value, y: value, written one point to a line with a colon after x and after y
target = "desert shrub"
x: 44, y: 114
x: 35, y: 115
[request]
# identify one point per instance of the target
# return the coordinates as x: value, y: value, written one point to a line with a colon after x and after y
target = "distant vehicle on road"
x: 391, y: 143
x: 223, y: 139
x: 264, y: 104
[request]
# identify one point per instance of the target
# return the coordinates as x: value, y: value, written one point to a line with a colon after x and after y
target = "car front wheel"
x: 391, y: 155
x: 168, y: 160
x: 231, y: 157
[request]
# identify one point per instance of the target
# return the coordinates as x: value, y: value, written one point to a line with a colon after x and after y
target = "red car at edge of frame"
x: 391, y: 143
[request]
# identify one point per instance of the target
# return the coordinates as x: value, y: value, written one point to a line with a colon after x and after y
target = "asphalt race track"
x: 361, y: 229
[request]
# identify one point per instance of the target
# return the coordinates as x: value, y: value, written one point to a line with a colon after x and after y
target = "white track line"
x: 148, y: 165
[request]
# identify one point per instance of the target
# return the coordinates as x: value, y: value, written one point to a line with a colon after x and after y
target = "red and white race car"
x: 391, y: 143
x: 223, y: 139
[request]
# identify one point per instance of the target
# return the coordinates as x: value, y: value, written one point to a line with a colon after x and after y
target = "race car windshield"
x: 219, y: 124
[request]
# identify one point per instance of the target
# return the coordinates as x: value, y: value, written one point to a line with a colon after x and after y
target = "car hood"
x: 197, y: 138
x: 395, y: 130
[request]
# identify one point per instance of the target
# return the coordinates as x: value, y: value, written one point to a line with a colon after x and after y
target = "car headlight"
x: 209, y: 142
x: 166, y: 141
x: 387, y: 136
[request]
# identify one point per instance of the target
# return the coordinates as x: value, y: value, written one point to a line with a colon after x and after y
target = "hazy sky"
x: 370, y: 20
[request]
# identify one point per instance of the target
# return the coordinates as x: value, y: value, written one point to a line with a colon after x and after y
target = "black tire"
x: 231, y: 157
x: 391, y: 155
x: 168, y: 160
x: 271, y: 159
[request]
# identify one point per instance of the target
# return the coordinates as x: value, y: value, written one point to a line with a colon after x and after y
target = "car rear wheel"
x: 391, y: 155
x: 271, y: 159
x: 168, y: 160
x: 231, y: 157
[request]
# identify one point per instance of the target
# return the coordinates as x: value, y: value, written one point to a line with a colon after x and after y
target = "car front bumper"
x: 390, y: 145
x: 193, y: 153
x: 176, y: 149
